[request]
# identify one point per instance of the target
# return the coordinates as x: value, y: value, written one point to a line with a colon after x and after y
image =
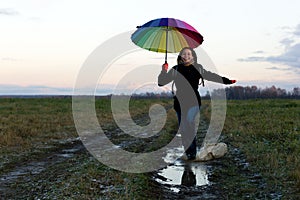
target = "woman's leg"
x: 189, y: 132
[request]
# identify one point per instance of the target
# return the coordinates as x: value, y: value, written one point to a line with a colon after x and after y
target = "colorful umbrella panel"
x: 166, y: 35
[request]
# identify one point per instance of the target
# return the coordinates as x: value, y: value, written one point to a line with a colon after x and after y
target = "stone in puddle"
x: 211, y: 151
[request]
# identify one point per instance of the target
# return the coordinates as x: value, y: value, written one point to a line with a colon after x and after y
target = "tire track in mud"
x: 27, y: 171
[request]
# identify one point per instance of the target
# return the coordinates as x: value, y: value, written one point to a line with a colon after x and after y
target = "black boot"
x: 192, y: 150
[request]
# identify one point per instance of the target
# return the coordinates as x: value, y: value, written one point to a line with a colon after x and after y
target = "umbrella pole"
x: 166, y: 46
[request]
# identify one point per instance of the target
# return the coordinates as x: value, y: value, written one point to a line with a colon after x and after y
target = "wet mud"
x: 229, y: 177
x: 26, y: 172
x: 205, y: 180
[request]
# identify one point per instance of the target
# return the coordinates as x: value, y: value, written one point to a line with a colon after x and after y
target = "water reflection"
x: 182, y: 173
x: 188, y: 177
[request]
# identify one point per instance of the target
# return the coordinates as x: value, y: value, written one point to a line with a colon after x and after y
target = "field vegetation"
x: 265, y: 131
x: 34, y: 130
x: 268, y: 133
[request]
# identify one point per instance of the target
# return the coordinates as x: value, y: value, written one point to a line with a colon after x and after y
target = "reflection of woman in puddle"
x: 188, y: 177
x: 186, y: 76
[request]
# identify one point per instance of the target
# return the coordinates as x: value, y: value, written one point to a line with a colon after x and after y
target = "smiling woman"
x: 187, y: 75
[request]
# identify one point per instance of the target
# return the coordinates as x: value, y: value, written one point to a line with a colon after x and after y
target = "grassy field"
x: 32, y: 129
x: 266, y: 131
x: 27, y: 121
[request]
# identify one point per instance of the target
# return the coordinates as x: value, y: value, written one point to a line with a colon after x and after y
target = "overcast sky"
x: 44, y: 43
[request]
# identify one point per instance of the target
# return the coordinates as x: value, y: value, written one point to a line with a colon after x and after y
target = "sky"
x: 44, y: 43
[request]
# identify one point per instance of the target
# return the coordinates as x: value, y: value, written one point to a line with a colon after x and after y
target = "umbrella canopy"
x: 166, y: 35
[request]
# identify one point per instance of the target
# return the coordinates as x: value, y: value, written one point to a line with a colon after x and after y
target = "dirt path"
x: 30, y: 177
x: 230, y: 177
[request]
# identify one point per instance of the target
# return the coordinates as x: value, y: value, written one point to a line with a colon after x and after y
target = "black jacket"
x: 186, y: 79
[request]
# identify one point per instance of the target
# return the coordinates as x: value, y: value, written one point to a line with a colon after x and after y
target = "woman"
x: 186, y: 76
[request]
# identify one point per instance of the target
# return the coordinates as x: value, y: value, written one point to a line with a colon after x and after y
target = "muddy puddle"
x: 206, y: 180
x: 181, y: 172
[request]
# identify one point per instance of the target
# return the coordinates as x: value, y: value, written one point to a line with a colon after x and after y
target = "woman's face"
x: 187, y: 57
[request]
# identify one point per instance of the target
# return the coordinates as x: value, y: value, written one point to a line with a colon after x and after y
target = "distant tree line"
x: 253, y: 92
x: 233, y: 92
x: 236, y: 92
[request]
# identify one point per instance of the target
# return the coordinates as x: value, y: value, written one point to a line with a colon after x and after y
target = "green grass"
x: 268, y: 132
x: 29, y: 124
x: 24, y: 120
x: 28, y: 120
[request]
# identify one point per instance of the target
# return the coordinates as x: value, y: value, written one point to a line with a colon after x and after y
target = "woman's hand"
x: 227, y: 81
x: 165, y: 67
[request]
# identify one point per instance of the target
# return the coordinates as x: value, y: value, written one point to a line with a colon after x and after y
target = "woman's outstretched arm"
x: 210, y: 76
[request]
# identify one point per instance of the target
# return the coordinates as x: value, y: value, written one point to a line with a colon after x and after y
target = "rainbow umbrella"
x: 166, y: 35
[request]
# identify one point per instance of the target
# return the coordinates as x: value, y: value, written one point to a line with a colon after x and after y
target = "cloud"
x: 289, y: 57
x: 297, y: 30
x: 8, y: 12
x: 279, y: 68
x: 33, y: 90
x: 9, y: 59
x: 252, y: 59
x: 259, y: 52
x: 103, y: 89
x: 287, y: 42
x: 274, y: 68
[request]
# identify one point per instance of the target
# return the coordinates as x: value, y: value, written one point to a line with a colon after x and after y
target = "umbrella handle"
x: 166, y: 56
